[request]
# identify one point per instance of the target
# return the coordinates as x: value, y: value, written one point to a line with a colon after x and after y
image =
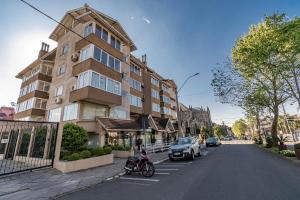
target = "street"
x: 231, y: 171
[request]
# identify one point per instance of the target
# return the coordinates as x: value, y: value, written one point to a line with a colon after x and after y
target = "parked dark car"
x: 212, y: 142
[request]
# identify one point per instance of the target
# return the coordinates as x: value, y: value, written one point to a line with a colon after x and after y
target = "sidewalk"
x: 47, y: 183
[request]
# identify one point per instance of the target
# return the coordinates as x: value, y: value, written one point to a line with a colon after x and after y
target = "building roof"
x: 117, y: 124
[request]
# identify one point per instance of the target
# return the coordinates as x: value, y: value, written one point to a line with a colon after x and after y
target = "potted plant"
x: 297, y: 150
x: 281, y: 141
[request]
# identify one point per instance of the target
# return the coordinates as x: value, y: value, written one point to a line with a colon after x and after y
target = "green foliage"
x: 107, y: 150
x: 269, y: 142
x: 297, y: 146
x: 73, y: 156
x: 74, y: 137
x: 287, y: 153
x: 219, y: 131
x: 85, y: 154
x: 98, y: 151
x: 281, y: 139
x: 239, y: 128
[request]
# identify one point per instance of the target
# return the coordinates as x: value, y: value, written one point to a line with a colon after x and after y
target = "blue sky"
x: 179, y: 38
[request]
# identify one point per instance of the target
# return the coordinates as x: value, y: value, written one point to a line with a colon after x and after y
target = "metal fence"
x: 26, y: 145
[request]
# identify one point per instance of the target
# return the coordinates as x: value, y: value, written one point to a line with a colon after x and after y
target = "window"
x: 135, y: 84
x: 40, y: 103
x: 155, y: 107
x: 43, y: 86
x: 154, y: 93
x: 167, y: 111
x: 104, y: 35
x: 65, y: 49
x: 115, y: 43
x: 58, y: 91
x: 86, y: 53
x: 135, y: 101
x: 94, y: 79
x: 98, y: 31
x: 117, y: 65
x: 165, y: 88
x: 54, y: 115
x: 61, y: 70
x: 90, y: 111
x: 70, y: 112
x: 118, y: 45
x: 135, y: 69
x: 104, y: 58
x: 97, y: 54
x: 111, y: 62
x: 166, y: 99
x: 88, y: 30
x: 154, y: 81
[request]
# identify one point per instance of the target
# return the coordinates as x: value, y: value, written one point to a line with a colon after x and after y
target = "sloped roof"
x: 116, y: 124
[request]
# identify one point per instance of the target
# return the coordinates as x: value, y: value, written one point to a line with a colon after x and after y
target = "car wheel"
x: 199, y: 152
x: 172, y: 159
x: 192, y: 155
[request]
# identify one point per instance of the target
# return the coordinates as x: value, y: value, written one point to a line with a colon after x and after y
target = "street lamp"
x: 177, y: 107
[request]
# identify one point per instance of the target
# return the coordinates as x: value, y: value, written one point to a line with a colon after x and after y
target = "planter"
x: 297, y: 152
x: 76, y: 165
x: 123, y: 154
x: 282, y: 147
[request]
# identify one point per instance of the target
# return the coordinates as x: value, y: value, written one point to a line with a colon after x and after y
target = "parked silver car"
x: 186, y: 147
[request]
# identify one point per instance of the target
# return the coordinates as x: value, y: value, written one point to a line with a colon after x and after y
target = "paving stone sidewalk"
x: 50, y: 183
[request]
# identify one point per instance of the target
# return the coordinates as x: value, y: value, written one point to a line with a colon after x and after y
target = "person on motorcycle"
x: 143, y: 157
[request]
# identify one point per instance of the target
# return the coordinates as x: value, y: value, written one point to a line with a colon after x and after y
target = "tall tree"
x: 255, y: 56
x: 239, y: 128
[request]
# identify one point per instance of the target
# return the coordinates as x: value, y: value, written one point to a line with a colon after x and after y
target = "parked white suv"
x: 186, y: 147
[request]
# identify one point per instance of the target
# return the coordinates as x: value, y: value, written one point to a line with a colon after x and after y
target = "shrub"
x: 269, y: 142
x: 98, y: 151
x: 297, y: 146
x: 74, y: 156
x: 85, y: 154
x: 287, y: 153
x: 107, y: 150
x: 74, y: 137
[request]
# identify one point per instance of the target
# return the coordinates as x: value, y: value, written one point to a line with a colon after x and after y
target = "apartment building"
x: 92, y: 79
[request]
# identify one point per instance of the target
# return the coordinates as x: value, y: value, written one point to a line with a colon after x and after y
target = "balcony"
x: 30, y: 112
x: 95, y: 95
x: 91, y: 64
x: 35, y: 93
x: 38, y: 76
x: 100, y: 43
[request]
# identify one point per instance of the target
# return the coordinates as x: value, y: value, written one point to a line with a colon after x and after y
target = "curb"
x: 116, y: 176
x: 294, y: 162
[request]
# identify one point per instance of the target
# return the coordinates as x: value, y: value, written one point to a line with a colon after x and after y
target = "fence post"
x: 58, y: 144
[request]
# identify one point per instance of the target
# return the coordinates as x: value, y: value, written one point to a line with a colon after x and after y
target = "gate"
x: 26, y: 145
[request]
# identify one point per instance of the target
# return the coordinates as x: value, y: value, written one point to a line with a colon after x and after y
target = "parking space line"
x: 139, y: 179
x: 162, y: 173
x: 166, y: 169
x: 171, y: 165
x: 134, y: 183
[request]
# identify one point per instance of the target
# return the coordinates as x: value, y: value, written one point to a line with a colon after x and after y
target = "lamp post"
x: 177, y: 103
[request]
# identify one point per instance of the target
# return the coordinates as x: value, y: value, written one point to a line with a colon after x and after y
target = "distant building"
x: 7, y: 113
x: 193, y: 119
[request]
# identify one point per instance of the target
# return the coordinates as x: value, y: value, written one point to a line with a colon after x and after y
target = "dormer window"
x: 88, y: 30
x: 115, y: 43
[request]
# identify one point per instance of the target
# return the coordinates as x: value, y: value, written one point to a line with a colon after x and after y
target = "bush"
x: 74, y: 137
x: 98, y: 151
x: 85, y: 154
x: 107, y: 150
x: 297, y: 146
x: 73, y: 156
x: 287, y: 153
x: 269, y: 142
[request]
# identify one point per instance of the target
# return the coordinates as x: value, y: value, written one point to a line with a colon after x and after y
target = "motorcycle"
x: 141, y: 165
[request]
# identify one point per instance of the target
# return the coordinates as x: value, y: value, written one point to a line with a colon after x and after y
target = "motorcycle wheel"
x: 131, y: 166
x: 148, y: 170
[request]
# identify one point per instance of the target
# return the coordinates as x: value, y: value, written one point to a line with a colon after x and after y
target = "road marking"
x: 108, y: 179
x: 133, y: 183
x: 161, y: 173
x: 166, y: 169
x: 139, y: 179
x: 170, y: 165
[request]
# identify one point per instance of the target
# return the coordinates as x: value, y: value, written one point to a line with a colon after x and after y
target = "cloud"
x: 146, y: 20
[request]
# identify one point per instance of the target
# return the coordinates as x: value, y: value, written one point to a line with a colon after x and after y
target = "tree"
x: 73, y: 137
x: 219, y: 131
x: 239, y: 128
x: 256, y: 58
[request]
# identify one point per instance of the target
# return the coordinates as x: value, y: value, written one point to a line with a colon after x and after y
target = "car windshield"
x: 211, y: 139
x: 184, y: 141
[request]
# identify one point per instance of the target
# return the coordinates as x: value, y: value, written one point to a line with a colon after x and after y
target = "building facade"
x: 193, y: 119
x: 92, y: 79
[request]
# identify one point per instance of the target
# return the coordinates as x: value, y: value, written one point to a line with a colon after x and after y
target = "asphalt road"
x: 232, y: 171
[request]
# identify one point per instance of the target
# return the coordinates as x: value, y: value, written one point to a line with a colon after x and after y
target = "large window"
x: 155, y: 81
x: 94, y: 79
x: 115, y: 43
x: 70, y: 112
x: 58, y: 91
x: 91, y: 110
x: 135, y: 84
x: 135, y: 101
x: 88, y: 30
x: 101, y: 56
x: 34, y: 102
x: 167, y: 111
x: 165, y: 88
x: 155, y: 107
x: 40, y: 103
x: 54, y: 115
x: 135, y: 69
x: 154, y: 93
x: 166, y: 99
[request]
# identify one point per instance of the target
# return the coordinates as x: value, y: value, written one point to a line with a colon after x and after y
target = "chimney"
x: 44, y: 49
x: 144, y: 59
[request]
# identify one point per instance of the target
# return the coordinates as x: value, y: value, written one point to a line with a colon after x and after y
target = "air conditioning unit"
x: 75, y: 56
x: 58, y: 100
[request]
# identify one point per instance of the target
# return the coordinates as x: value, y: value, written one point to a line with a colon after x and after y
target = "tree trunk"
x: 275, y: 122
x: 258, y: 125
